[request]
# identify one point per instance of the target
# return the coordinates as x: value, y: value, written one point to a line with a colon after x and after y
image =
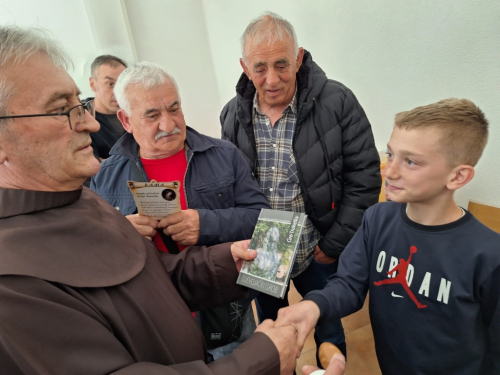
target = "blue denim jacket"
x: 218, y: 184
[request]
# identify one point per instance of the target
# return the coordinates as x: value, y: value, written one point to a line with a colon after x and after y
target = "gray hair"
x: 111, y: 60
x: 19, y: 44
x: 145, y: 75
x: 271, y: 28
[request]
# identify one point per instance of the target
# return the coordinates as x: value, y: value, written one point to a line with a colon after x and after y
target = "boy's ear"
x: 460, y: 176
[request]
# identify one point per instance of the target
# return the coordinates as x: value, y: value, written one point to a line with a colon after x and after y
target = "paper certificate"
x: 156, y: 199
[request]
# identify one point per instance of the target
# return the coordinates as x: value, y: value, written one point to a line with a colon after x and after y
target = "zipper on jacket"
x: 321, y: 137
x: 184, y: 181
x: 301, y: 183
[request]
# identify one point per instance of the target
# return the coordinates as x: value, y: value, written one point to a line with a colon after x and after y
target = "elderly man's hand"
x: 285, y: 340
x: 144, y: 225
x: 321, y: 257
x: 303, y: 316
x: 240, y: 252
x: 183, y: 227
x: 336, y: 366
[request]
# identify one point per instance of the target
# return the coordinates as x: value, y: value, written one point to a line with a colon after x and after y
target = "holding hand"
x: 183, y: 227
x: 240, y: 252
x: 285, y: 340
x: 303, y: 316
x: 144, y: 225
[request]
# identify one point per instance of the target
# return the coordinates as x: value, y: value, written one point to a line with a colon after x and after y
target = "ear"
x: 245, y: 69
x: 460, y: 176
x: 125, y: 120
x: 300, y: 57
x: 92, y: 83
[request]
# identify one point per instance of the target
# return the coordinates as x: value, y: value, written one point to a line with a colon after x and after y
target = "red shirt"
x: 168, y: 169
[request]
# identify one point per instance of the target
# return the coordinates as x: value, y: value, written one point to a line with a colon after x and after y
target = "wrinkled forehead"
x: 37, y: 82
x: 142, y: 97
x: 108, y: 70
x: 265, y: 53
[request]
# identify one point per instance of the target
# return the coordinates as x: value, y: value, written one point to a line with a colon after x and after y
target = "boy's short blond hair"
x: 463, y: 126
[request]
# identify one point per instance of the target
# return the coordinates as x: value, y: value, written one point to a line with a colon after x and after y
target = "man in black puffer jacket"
x: 310, y: 145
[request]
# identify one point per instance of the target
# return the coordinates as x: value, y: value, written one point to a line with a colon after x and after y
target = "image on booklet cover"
x: 275, y: 238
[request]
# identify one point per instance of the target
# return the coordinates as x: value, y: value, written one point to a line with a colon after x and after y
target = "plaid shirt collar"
x: 292, y: 105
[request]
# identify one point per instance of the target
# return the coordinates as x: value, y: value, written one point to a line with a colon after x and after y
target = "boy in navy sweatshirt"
x: 432, y: 269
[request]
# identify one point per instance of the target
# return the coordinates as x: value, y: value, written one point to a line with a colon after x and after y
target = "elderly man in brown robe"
x: 81, y: 291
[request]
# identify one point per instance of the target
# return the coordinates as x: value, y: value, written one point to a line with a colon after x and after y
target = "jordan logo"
x: 400, y: 278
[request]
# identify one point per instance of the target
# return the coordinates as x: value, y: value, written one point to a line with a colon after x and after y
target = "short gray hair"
x: 145, y: 75
x: 269, y: 27
x: 18, y: 44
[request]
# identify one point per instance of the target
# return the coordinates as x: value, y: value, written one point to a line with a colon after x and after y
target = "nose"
x: 87, y: 123
x: 167, y: 123
x: 272, y: 77
x: 391, y: 170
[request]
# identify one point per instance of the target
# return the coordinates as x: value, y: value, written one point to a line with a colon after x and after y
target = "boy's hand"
x: 303, y: 316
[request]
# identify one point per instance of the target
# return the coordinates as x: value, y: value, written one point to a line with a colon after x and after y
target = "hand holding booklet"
x: 156, y: 199
x: 276, y: 237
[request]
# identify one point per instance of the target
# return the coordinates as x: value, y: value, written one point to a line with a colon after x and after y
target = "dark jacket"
x: 218, y: 184
x: 337, y: 163
x: 105, y: 138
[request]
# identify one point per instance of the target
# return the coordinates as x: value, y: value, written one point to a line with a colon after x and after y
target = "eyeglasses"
x: 75, y: 114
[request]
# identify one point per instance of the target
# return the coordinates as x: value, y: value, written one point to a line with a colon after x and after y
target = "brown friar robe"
x: 81, y: 292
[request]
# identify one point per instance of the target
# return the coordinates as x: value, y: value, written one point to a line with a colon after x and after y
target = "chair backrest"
x: 488, y: 215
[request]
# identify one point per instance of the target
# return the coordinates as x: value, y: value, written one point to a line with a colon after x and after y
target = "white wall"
x: 173, y: 34
x: 67, y: 20
x: 393, y: 54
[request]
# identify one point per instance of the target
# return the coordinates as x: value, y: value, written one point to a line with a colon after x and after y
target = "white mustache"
x: 162, y: 134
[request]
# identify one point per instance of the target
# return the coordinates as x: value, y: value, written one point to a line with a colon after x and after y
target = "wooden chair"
x: 488, y: 215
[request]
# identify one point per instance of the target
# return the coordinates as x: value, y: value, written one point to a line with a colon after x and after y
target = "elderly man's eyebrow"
x: 259, y: 64
x: 150, y: 111
x: 60, y: 95
x: 282, y: 61
x: 153, y: 110
x: 173, y: 104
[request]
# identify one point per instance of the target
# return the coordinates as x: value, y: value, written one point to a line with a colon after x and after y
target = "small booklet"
x: 156, y: 199
x: 276, y: 238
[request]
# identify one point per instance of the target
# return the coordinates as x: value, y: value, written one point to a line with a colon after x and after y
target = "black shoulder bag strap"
x: 167, y: 240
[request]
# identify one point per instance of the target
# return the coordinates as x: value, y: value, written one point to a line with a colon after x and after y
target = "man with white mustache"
x: 219, y: 197
x: 220, y: 207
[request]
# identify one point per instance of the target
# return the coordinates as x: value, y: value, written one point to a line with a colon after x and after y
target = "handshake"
x: 289, y: 333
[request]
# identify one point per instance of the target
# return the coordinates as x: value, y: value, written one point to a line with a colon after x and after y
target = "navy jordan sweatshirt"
x: 434, y: 292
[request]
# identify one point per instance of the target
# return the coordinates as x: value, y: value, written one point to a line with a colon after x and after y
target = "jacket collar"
x: 128, y: 147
